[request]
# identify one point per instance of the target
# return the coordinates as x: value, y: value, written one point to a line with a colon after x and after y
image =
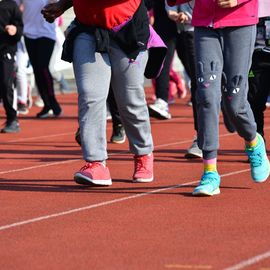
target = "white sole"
x: 206, y: 193
x: 263, y: 180
x: 142, y: 180
x: 83, y: 180
x: 192, y: 155
x: 155, y: 112
x: 119, y: 142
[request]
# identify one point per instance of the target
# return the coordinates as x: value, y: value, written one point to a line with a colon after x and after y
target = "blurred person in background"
x: 11, y: 27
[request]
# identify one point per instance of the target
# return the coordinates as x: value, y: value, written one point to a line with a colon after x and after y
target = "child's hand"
x: 227, y: 3
x: 11, y: 29
x: 173, y: 15
x: 51, y: 11
x: 183, y: 17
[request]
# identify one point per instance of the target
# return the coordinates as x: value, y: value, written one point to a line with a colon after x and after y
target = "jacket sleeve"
x: 18, y: 22
x: 239, y: 2
x: 176, y: 2
x: 170, y: 8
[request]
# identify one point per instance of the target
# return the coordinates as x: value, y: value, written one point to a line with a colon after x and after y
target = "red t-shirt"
x: 105, y: 13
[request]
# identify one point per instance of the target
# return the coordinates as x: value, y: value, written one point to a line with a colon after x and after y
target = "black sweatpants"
x: 40, y: 51
x: 7, y: 79
x: 259, y: 86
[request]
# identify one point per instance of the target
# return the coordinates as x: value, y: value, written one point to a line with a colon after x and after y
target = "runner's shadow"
x: 189, y: 194
x: 68, y: 186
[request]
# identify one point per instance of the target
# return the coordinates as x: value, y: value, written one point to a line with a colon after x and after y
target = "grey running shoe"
x: 159, y: 109
x: 118, y: 135
x: 194, y: 151
x: 11, y: 127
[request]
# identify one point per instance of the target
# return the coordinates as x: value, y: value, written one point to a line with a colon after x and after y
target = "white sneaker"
x: 39, y: 102
x: 194, y: 151
x: 159, y: 109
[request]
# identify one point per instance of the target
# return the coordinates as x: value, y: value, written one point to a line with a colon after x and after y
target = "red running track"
x: 49, y: 222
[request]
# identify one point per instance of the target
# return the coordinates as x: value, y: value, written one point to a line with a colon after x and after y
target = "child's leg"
x: 93, y: 89
x: 22, y: 84
x: 209, y: 63
x: 154, y: 97
x: 259, y: 85
x: 7, y: 71
x: 235, y: 96
x: 238, y: 47
x: 174, y: 76
x: 162, y: 81
x: 173, y: 81
x: 128, y: 84
x: 130, y: 98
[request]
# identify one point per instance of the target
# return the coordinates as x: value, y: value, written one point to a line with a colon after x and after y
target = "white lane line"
x: 91, y: 206
x: 249, y: 261
x: 41, y: 137
x: 39, y: 166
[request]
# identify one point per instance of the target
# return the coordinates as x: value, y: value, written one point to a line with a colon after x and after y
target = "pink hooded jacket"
x: 208, y: 13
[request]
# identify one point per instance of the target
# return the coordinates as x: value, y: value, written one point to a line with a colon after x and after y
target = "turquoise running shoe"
x: 259, y: 163
x: 209, y: 185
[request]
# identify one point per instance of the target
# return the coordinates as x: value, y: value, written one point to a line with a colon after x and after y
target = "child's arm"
x: 172, y: 12
x: 15, y: 28
x: 54, y: 10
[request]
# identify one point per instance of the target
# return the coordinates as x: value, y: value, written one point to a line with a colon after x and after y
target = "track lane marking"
x: 96, y: 205
x: 188, y: 266
x: 238, y: 266
x: 249, y: 261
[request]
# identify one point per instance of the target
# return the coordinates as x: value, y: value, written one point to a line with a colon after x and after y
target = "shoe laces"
x: 255, y: 158
x: 140, y: 162
x: 91, y: 165
x: 208, y: 178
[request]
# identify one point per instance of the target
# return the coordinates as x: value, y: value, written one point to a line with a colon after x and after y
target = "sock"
x: 253, y: 143
x: 210, y: 165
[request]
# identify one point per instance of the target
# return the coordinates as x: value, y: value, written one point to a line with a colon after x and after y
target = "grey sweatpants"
x: 223, y: 60
x: 93, y: 73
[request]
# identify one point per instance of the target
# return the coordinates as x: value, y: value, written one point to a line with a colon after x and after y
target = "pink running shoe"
x: 143, y: 171
x: 93, y: 173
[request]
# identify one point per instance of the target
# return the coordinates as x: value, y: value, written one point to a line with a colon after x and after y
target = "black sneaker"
x: 57, y: 111
x: 11, y: 127
x: 44, y: 113
x: 22, y: 108
x: 118, y: 135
